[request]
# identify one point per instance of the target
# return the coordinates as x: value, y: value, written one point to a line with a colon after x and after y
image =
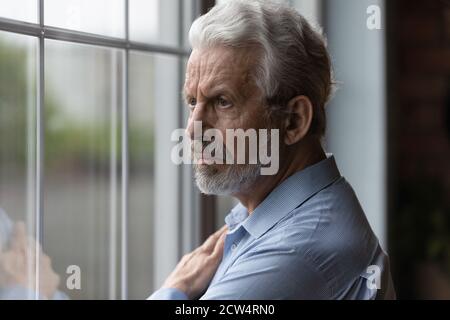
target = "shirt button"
x: 233, y: 247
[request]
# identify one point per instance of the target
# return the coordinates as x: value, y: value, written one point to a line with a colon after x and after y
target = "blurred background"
x: 89, y: 97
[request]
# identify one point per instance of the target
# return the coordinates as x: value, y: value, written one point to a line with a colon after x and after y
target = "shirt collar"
x: 287, y: 196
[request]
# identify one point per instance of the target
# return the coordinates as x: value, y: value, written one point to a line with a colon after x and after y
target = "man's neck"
x: 303, y: 156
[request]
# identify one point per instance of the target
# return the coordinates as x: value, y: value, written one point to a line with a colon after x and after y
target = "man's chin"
x: 209, y: 171
x: 223, y: 179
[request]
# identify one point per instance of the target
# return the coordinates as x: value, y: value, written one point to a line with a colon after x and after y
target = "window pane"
x: 17, y: 154
x: 159, y: 24
x: 154, y: 94
x: 189, y: 11
x: 141, y: 177
x: 83, y: 98
x: 105, y: 17
x: 25, y: 10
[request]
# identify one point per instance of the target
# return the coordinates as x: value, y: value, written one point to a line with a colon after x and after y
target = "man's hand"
x: 15, y: 261
x: 194, y: 272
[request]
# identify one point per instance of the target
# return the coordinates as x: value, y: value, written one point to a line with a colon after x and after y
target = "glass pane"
x: 82, y: 108
x: 17, y: 159
x: 141, y: 177
x: 154, y: 21
x: 105, y: 17
x: 154, y: 93
x: 189, y: 8
x: 25, y: 10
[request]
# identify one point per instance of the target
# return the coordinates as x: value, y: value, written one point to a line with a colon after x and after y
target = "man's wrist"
x: 180, y: 286
x: 168, y: 294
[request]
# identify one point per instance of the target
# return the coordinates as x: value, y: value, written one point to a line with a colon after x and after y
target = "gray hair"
x: 293, y: 56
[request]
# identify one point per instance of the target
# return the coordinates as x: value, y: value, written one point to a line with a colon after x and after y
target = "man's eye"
x: 223, y: 103
x: 192, y: 102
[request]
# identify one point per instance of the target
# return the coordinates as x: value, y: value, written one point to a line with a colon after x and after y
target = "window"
x: 163, y: 28
x: 83, y: 161
x: 24, y: 10
x: 17, y: 134
x: 100, y: 16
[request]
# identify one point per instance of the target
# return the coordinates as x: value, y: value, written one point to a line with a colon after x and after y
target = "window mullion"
x: 39, y: 151
x: 125, y: 165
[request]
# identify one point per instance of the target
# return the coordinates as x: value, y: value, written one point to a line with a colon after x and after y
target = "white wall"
x: 357, y: 114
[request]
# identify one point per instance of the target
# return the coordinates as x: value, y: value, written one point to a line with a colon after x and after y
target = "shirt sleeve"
x: 168, y: 294
x: 18, y: 292
x: 270, y: 275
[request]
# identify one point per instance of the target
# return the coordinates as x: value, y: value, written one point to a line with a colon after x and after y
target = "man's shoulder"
x: 332, y: 216
x: 331, y: 232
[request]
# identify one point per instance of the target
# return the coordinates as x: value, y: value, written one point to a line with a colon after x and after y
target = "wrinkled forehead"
x: 218, y: 66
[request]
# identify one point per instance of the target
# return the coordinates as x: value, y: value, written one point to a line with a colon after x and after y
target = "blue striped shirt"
x: 308, y: 239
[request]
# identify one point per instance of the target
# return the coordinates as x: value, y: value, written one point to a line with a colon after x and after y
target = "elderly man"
x: 300, y: 233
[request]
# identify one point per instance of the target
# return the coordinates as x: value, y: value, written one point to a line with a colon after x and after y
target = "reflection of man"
x: 17, y: 252
x: 298, y: 234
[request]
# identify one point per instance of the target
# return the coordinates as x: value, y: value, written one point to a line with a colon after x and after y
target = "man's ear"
x: 299, y: 119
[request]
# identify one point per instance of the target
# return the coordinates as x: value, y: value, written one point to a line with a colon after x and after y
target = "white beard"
x: 232, y: 180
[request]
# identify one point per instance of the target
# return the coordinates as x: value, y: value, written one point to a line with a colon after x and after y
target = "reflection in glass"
x: 106, y: 17
x: 82, y: 108
x: 24, y: 10
x: 159, y: 24
x: 17, y: 158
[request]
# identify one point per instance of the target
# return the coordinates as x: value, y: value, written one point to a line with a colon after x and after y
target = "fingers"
x: 218, y: 249
x: 19, y: 237
x: 210, y: 243
x: 34, y: 245
x: 219, y: 232
x: 21, y: 242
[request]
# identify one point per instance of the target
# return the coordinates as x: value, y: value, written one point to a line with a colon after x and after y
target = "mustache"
x: 199, y: 146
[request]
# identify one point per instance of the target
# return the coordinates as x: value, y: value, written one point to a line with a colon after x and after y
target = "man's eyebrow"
x: 185, y: 95
x: 213, y: 92
x: 221, y: 89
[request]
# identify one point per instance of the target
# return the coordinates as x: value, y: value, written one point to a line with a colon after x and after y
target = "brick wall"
x: 419, y: 68
x: 422, y: 62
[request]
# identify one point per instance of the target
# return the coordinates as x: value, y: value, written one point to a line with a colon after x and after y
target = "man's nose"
x: 199, y: 118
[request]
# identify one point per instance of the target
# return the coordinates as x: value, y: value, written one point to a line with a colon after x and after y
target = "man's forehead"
x: 212, y: 77
x: 217, y: 67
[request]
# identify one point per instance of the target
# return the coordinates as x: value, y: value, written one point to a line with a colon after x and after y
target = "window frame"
x: 186, y: 237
